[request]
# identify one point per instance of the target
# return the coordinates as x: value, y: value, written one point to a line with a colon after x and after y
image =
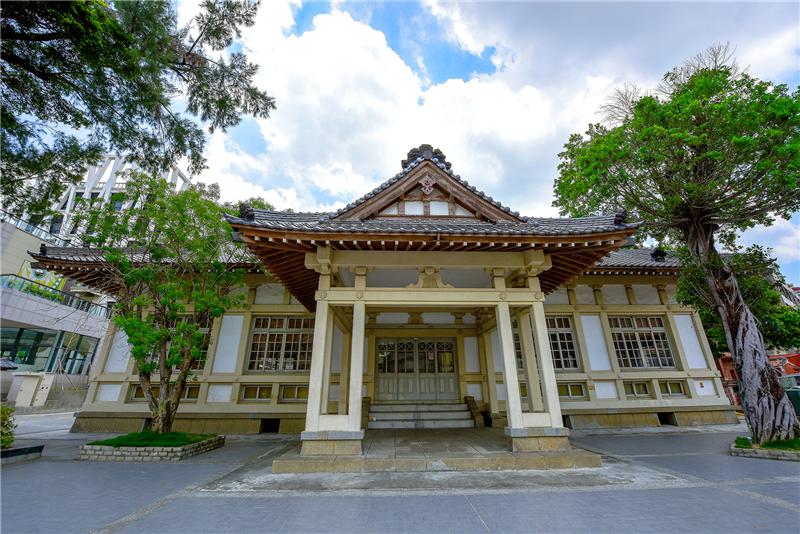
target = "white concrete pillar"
x: 323, y: 323
x: 356, y: 368
x: 552, y: 404
x: 531, y: 366
x: 513, y: 402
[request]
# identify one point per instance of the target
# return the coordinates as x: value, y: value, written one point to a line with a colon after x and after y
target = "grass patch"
x: 153, y: 439
x: 783, y: 445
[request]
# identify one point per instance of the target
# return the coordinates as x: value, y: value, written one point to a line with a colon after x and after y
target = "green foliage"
x: 759, y: 281
x: 84, y: 77
x: 172, y: 266
x: 743, y: 443
x: 153, y: 439
x: 254, y: 202
x: 719, y: 148
x: 784, y: 445
x: 7, y: 426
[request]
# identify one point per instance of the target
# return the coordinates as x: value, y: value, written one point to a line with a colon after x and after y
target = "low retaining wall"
x: 769, y: 454
x: 105, y: 453
x: 20, y: 454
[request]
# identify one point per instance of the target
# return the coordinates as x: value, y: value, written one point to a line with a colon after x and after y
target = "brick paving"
x: 648, y: 483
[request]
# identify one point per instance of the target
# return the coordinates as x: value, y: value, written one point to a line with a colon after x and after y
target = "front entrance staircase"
x: 416, y: 415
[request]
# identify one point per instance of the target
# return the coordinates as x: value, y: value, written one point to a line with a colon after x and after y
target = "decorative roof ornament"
x: 246, y: 211
x: 427, y: 184
x: 425, y: 152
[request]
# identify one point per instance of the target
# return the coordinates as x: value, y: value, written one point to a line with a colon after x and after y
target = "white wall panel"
x: 392, y: 318
x: 337, y: 348
x: 108, y: 392
x: 219, y: 393
x: 497, y: 353
x: 475, y: 390
x: 614, y: 294
x: 595, y: 343
x: 690, y: 342
x: 119, y: 355
x: 559, y: 296
x: 646, y: 294
x: 584, y: 294
x: 605, y: 389
x: 269, y: 294
x: 704, y: 388
x: 438, y: 318
x: 230, y: 333
x: 501, y: 391
x: 471, y: 355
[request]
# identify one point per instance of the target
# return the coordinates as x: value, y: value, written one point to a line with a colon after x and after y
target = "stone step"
x: 415, y: 407
x: 432, y: 424
x: 414, y: 416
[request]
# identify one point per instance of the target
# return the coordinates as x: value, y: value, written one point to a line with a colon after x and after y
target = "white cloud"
x: 783, y: 237
x: 774, y: 55
x: 349, y: 107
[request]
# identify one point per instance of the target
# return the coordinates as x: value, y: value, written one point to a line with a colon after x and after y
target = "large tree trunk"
x: 767, y: 408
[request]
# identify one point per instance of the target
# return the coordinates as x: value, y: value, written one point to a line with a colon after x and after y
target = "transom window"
x: 256, y: 392
x: 294, y: 393
x: 571, y: 391
x: 637, y: 389
x: 281, y: 344
x: 641, y: 342
x: 190, y: 393
x: 672, y: 389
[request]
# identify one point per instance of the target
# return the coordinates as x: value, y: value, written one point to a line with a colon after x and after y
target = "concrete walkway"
x: 649, y: 483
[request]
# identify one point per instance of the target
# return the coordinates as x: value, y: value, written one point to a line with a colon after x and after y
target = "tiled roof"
x: 638, y: 257
x: 322, y: 222
x: 443, y: 165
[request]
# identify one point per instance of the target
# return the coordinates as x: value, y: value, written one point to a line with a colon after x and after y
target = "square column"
x: 513, y: 401
x: 356, y: 368
x: 320, y: 352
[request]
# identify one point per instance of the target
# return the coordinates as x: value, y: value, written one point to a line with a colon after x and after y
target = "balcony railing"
x: 24, y: 285
x: 35, y: 231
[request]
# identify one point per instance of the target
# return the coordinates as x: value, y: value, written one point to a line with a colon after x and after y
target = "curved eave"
x: 283, y: 251
x: 96, y: 274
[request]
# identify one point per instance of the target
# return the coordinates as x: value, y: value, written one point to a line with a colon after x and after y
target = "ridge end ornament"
x: 427, y: 184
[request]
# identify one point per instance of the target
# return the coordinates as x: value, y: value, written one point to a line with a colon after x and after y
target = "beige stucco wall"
x: 478, y: 374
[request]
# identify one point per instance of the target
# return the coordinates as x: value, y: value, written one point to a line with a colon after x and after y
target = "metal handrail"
x: 34, y: 230
x: 12, y: 281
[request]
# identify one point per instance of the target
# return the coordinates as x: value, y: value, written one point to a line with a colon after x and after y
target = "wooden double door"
x: 410, y: 369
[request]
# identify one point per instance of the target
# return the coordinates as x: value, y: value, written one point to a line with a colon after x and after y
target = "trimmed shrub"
x: 7, y: 426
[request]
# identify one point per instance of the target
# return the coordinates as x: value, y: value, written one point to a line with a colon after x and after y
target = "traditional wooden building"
x: 427, y: 303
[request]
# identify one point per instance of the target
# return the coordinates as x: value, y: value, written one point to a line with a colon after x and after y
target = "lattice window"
x: 562, y: 343
x: 281, y: 344
x: 641, y: 342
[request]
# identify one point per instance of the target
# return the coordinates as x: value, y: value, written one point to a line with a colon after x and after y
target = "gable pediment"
x: 427, y: 188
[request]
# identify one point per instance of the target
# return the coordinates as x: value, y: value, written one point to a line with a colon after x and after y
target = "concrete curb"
x: 768, y: 454
x: 105, y: 453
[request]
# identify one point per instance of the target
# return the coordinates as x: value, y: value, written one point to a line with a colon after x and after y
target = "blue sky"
x: 497, y: 86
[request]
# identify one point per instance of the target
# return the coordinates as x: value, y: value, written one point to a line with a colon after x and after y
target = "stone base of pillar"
x: 333, y: 443
x: 538, y: 439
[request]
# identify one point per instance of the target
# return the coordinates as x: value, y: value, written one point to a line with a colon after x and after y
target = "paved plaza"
x: 649, y: 482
